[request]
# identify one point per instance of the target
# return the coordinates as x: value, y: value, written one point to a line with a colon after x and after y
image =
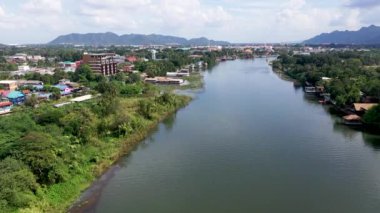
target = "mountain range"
x: 110, y: 38
x: 365, y: 36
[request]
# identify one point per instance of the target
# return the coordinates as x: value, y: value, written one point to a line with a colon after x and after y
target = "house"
x: 363, y: 107
x: 4, y: 93
x: 68, y: 66
x: 65, y: 90
x: 32, y: 83
x: 310, y: 89
x: 181, y: 73
x: 9, y: 85
x: 24, y: 68
x: 352, y: 120
x: 128, y: 68
x: 64, y: 81
x: 131, y: 59
x: 165, y: 80
x: 44, y: 95
x: 5, y: 107
x: 16, y: 97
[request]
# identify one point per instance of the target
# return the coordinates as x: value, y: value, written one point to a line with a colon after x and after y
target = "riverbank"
x: 195, y: 81
x: 233, y: 150
x: 77, y: 204
x: 59, y: 197
x: 334, y: 109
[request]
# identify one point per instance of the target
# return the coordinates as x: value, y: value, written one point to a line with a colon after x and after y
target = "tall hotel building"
x: 102, y: 63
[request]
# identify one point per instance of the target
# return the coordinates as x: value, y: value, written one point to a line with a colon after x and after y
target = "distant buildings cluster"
x: 15, y: 92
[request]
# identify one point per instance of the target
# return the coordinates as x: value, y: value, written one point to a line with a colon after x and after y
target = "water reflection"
x: 372, y: 140
x: 169, y: 122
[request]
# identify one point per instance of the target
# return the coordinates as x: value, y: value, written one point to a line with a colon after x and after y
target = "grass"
x: 59, y: 197
x: 195, y: 81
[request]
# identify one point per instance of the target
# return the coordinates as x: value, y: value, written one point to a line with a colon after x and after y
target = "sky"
x: 259, y: 21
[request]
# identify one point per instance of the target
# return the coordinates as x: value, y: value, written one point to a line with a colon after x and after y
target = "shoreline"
x: 89, y: 196
x: 333, y: 109
x: 105, y: 170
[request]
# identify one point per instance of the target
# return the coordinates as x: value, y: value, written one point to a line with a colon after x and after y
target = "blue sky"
x: 39, y: 21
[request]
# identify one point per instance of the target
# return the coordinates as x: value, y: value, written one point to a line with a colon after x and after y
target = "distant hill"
x: 130, y: 39
x: 366, y: 36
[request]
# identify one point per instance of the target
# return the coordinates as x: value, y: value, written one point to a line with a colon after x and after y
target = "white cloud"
x: 2, y: 13
x: 233, y: 20
x: 43, y: 7
x: 160, y: 16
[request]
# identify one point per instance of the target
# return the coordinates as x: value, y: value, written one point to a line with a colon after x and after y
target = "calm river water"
x: 249, y: 142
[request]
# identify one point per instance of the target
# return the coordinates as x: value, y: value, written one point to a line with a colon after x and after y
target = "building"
x: 352, y: 120
x: 181, y: 73
x: 32, y: 83
x: 131, y: 59
x: 363, y: 107
x: 16, y: 97
x: 154, y: 52
x: 101, y: 63
x: 5, y: 107
x: 24, y: 68
x: 9, y: 85
x: 68, y: 66
x: 164, y: 80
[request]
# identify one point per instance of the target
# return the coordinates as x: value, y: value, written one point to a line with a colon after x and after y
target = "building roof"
x: 364, y: 106
x: 4, y: 92
x: 5, y: 104
x: 82, y: 98
x: 33, y: 82
x: 38, y: 87
x: 8, y: 82
x: 352, y: 118
x: 61, y: 86
x: 15, y: 94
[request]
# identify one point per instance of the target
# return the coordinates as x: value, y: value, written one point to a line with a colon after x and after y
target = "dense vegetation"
x: 48, y: 155
x: 372, y: 117
x: 351, y: 72
x: 352, y: 76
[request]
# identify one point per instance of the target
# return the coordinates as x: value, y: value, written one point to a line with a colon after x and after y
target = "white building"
x: 24, y: 68
x: 154, y: 52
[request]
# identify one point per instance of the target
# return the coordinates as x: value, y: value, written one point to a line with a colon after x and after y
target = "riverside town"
x: 280, y: 114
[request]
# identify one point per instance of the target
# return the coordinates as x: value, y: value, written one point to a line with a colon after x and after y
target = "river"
x: 249, y: 142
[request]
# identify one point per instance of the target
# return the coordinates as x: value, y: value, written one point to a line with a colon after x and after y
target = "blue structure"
x: 38, y: 87
x: 16, y: 97
x: 61, y: 87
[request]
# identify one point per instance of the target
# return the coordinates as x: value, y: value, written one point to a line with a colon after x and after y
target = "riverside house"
x: 5, y: 107
x: 361, y: 108
x: 165, y: 80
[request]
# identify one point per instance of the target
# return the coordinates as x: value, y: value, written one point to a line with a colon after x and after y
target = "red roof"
x: 4, y: 104
x: 132, y: 59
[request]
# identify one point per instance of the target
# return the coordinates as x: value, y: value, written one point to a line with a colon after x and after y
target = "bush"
x: 37, y: 150
x: 17, y: 183
x: 372, y: 116
x: 146, y: 108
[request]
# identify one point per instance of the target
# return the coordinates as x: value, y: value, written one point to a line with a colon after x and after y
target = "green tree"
x: 133, y: 78
x: 372, y: 116
x: 80, y: 122
x: 83, y: 74
x: 38, y: 151
x: 31, y: 101
x: 17, y: 183
x: 147, y: 108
